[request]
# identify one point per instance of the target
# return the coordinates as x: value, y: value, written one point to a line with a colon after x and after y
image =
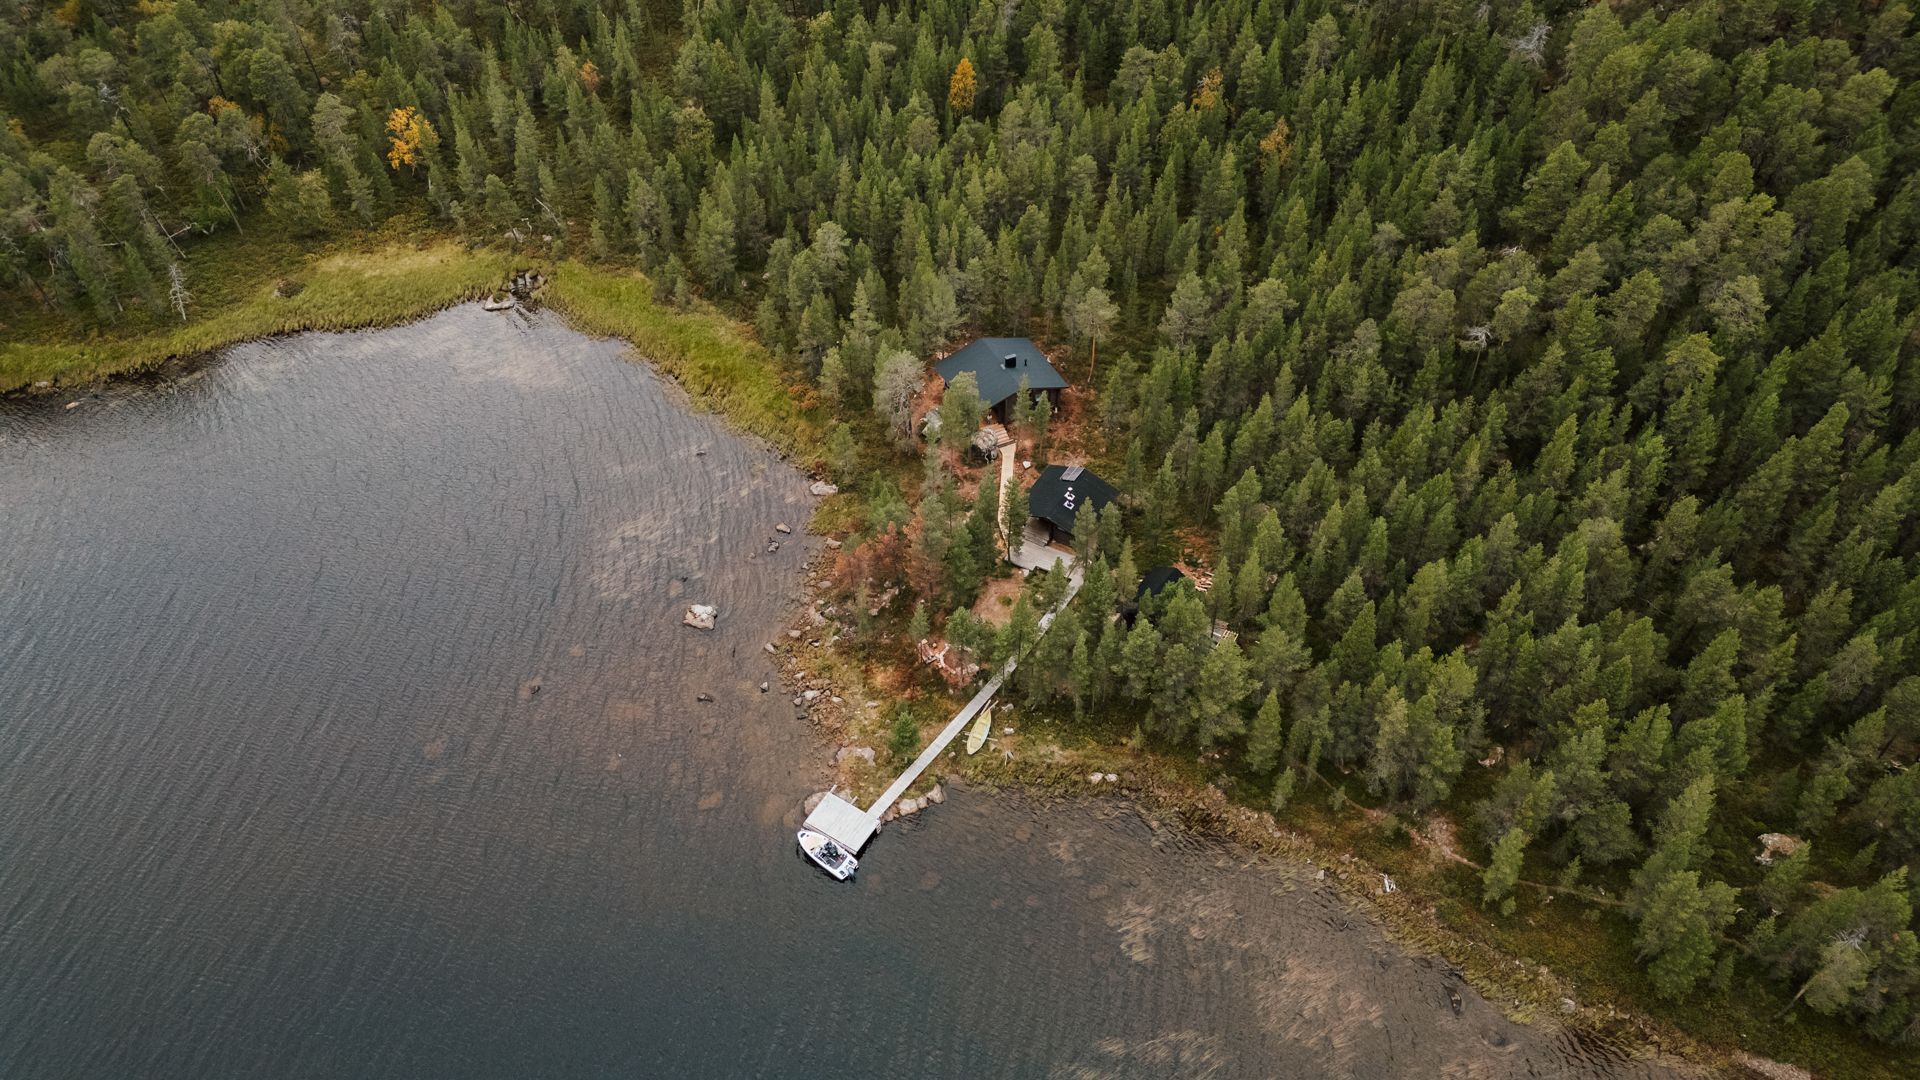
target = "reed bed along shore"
x: 250, y: 288
x: 715, y: 359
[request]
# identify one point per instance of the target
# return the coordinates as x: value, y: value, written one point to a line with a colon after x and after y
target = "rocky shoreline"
x: 829, y: 690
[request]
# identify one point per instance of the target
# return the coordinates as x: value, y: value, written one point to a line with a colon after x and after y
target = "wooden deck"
x: 833, y: 812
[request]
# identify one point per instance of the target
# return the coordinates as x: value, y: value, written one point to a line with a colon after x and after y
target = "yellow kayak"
x: 977, y: 734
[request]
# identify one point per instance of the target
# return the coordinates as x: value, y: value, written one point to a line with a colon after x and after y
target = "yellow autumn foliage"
x: 1278, y: 143
x: 962, y: 87
x: 1207, y: 94
x: 411, y: 133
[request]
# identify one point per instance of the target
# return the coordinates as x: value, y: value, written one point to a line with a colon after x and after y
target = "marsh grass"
x: 400, y: 272
x: 714, y: 358
x: 391, y: 275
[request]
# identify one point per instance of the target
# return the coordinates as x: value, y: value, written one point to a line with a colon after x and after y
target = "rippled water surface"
x: 347, y: 729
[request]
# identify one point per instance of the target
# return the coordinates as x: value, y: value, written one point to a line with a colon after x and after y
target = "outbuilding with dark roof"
x: 998, y: 366
x: 1061, y: 493
x: 1152, y: 583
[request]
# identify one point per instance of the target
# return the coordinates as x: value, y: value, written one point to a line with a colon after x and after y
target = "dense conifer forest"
x: 1538, y: 380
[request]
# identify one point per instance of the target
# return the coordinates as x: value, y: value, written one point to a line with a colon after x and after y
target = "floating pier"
x: 852, y: 826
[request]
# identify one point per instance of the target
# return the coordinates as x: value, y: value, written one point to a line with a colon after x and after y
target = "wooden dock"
x: 852, y: 826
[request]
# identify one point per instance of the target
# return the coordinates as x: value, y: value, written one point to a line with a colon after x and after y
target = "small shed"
x: 1152, y: 583
x: 1060, y: 494
x: 998, y: 366
x: 1156, y: 580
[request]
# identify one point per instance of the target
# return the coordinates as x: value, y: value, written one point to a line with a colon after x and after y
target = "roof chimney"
x: 1010, y: 360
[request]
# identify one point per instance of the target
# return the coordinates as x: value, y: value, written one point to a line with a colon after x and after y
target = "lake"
x: 348, y: 729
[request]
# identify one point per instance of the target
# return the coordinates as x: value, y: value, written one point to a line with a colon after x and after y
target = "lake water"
x: 347, y: 729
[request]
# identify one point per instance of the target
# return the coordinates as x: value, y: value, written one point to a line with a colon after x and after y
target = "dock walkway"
x: 853, y: 826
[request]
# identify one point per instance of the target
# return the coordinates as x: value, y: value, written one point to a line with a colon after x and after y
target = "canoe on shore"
x: 977, y: 733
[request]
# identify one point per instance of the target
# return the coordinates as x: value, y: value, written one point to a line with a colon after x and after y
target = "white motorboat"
x: 828, y: 854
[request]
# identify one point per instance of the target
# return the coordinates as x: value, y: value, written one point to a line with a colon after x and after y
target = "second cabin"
x: 1059, y: 496
x: 999, y: 365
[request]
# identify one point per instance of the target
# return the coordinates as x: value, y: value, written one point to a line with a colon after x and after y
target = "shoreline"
x: 361, y: 282
x: 616, y: 303
x: 1162, y: 788
x: 406, y: 272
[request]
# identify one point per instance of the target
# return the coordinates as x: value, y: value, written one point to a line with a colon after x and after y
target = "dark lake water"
x: 278, y: 798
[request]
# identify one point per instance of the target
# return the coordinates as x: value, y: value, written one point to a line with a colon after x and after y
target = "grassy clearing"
x: 713, y: 357
x: 391, y: 275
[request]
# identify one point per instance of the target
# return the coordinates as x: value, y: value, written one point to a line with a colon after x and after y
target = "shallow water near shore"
x: 348, y: 729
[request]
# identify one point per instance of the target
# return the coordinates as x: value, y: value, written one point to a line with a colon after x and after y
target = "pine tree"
x: 500, y: 211
x: 1677, y: 931
x: 1217, y: 698
x: 714, y: 246
x: 1677, y: 840
x: 1080, y: 669
x: 1503, y: 870
x: 960, y: 409
x: 1014, y: 512
x: 298, y: 202
x: 1267, y: 738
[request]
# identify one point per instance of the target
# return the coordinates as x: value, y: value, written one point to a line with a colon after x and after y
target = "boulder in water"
x: 701, y: 616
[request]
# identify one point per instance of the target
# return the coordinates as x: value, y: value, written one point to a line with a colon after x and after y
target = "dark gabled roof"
x: 1153, y: 584
x: 1157, y: 579
x: 987, y: 358
x: 1063, y: 491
